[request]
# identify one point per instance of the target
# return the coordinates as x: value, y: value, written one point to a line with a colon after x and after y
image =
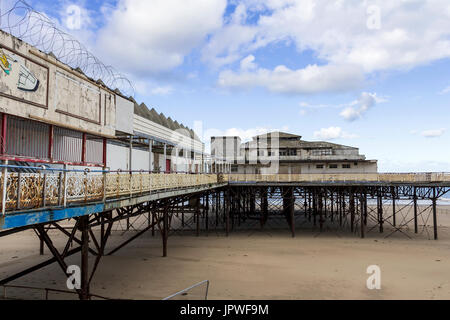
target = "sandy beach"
x: 252, y: 264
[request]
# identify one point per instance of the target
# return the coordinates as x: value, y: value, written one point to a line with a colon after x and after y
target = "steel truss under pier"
x: 90, y: 233
x: 360, y: 208
x: 363, y: 208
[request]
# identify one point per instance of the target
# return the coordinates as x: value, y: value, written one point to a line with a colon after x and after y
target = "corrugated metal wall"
x: 27, y: 138
x: 31, y: 139
x: 67, y: 145
x: 94, y: 149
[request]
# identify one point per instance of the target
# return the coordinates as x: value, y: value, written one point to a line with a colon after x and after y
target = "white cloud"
x: 445, y: 90
x: 144, y: 36
x: 311, y: 79
x: 411, y: 33
x: 332, y: 133
x: 359, y: 107
x: 434, y: 133
x: 248, y: 63
x: 162, y: 90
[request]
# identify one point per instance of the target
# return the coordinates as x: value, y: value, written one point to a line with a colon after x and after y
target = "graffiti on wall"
x: 14, y: 70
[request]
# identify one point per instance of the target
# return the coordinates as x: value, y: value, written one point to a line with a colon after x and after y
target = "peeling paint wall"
x: 35, y: 85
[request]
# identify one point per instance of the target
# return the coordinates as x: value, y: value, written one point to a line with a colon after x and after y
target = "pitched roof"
x: 143, y: 111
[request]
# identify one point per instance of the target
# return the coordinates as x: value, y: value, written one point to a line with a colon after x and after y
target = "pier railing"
x: 342, y: 177
x: 59, y: 187
x: 49, y: 187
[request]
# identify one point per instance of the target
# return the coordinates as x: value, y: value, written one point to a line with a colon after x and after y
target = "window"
x: 322, y: 152
x: 333, y: 166
x: 319, y: 166
x: 288, y: 152
x: 234, y: 168
x: 271, y: 153
x: 346, y: 166
x: 260, y: 153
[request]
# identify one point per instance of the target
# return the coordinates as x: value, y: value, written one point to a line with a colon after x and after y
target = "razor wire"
x: 37, y: 29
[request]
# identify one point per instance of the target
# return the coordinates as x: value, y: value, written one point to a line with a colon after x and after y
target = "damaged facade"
x: 54, y: 114
x: 285, y: 153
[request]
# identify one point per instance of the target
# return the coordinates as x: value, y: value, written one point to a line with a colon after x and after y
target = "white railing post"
x: 131, y: 184
x: 5, y: 182
x: 65, y: 185
x: 19, y: 190
x: 86, y: 184
x: 44, y: 190
x: 104, y: 185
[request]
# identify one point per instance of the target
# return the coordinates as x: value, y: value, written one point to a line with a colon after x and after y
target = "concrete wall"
x: 118, y: 158
x: 150, y: 128
x: 35, y: 85
x: 362, y: 167
x: 124, y: 115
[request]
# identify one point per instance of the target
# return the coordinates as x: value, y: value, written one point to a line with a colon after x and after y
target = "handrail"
x: 189, y: 288
x: 61, y: 187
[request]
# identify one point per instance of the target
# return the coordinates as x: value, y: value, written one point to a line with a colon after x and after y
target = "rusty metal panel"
x: 27, y: 138
x: 67, y: 145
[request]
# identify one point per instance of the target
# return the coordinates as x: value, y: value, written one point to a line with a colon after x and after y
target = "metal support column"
x: 84, y: 228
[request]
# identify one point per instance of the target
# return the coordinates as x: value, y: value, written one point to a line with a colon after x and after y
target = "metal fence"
x: 59, y: 187
x: 342, y: 177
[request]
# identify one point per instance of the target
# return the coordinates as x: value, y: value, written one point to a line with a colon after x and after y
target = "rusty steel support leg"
x: 416, y: 229
x: 84, y: 229
x: 314, y: 211
x: 365, y: 207
x: 380, y: 211
x: 41, y: 246
x: 361, y: 217
x: 435, y: 231
x: 207, y: 214
x: 264, y: 207
x: 305, y: 204
x: 153, y: 222
x: 197, y: 214
x: 165, y: 233
x: 232, y: 207
x: 320, y: 197
x: 216, y: 209
x: 310, y: 208
x: 352, y: 210
x: 394, y: 223
x: 240, y: 204
x: 252, y: 201
x: 332, y: 206
x: 292, y: 211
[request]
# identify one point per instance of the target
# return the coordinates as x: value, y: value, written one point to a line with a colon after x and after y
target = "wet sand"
x: 252, y: 264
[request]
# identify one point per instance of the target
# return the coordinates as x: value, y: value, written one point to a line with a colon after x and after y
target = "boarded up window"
x: 67, y: 145
x: 94, y: 149
x: 27, y: 138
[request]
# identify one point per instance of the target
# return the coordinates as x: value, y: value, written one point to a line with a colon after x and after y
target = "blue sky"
x: 371, y: 74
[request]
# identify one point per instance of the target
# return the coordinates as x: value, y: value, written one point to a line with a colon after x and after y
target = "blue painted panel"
x: 24, y: 219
